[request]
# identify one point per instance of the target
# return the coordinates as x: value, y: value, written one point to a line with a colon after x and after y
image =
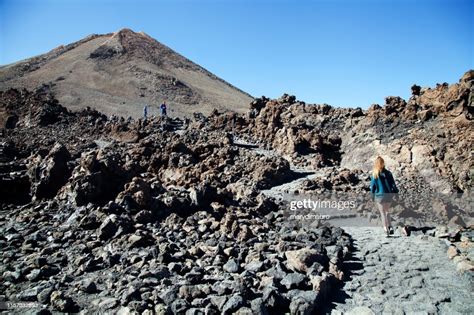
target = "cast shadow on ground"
x: 350, y: 267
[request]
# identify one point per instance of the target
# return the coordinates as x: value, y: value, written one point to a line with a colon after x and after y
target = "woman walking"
x: 383, y: 188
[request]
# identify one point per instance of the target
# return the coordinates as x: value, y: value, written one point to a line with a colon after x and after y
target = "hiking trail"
x: 388, y: 275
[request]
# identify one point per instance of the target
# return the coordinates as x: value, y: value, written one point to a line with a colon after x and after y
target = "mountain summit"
x: 118, y: 73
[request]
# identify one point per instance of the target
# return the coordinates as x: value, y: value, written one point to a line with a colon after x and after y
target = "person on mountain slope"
x: 163, y: 109
x: 145, y: 112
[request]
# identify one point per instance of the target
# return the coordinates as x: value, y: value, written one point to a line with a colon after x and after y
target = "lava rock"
x: 231, y: 266
x: 302, y: 259
x: 232, y: 304
x: 108, y: 228
x: 294, y: 280
x: 61, y: 302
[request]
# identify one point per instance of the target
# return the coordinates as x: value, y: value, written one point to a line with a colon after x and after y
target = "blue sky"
x: 340, y: 52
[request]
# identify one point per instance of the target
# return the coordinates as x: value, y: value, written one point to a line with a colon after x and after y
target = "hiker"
x: 145, y: 112
x: 383, y: 188
x: 163, y: 109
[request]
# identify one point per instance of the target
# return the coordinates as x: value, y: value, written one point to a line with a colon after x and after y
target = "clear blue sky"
x: 344, y: 53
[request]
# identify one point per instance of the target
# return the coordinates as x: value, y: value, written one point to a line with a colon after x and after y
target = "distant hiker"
x: 163, y: 109
x: 383, y: 188
x: 145, y: 112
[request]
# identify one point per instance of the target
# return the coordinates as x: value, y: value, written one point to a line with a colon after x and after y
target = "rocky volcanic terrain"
x: 118, y: 73
x: 185, y: 216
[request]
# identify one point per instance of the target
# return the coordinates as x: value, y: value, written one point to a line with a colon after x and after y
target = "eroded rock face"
x: 423, y: 143
x: 290, y: 127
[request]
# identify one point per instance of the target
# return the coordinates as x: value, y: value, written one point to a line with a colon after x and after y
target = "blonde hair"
x: 379, y: 165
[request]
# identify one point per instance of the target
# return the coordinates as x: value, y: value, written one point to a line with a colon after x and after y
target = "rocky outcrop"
x: 290, y: 127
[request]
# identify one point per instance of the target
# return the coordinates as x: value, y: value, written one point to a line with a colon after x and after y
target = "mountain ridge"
x: 118, y: 73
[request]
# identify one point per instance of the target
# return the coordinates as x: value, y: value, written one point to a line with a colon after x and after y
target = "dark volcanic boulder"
x: 48, y: 175
x: 98, y: 178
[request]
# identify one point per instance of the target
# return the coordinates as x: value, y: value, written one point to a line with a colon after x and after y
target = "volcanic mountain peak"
x: 120, y: 72
x: 131, y: 41
x: 129, y: 44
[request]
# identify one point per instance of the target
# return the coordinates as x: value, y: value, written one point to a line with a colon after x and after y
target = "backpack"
x: 389, y: 182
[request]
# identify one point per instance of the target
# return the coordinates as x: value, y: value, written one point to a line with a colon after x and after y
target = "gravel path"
x: 394, y: 275
x: 402, y: 275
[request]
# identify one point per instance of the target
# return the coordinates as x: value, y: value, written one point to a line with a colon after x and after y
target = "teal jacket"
x: 383, y: 186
